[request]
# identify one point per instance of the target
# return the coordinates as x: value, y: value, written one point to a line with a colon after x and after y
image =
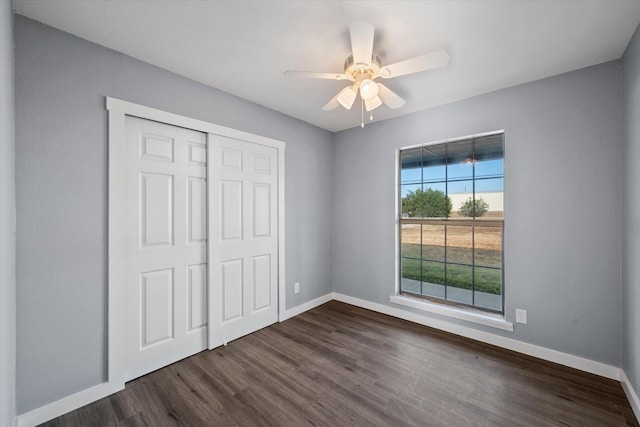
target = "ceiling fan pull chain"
x: 362, y: 113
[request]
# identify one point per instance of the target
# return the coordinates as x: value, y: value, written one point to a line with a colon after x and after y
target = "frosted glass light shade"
x: 368, y: 89
x: 347, y: 96
x: 372, y: 104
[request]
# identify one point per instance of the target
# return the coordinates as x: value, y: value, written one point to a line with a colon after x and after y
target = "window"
x: 452, y: 220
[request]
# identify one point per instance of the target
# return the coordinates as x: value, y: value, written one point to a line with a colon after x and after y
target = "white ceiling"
x: 244, y: 47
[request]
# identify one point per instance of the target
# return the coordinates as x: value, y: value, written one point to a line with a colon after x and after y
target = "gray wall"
x: 631, y: 212
x: 562, y: 222
x: 562, y: 261
x: 7, y: 220
x: 61, y: 179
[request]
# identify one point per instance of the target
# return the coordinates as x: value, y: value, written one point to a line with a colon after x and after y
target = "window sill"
x: 486, y: 319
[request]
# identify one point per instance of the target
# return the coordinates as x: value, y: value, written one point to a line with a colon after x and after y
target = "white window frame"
x: 470, y: 314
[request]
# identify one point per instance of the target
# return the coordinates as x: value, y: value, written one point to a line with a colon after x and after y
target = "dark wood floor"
x: 340, y: 365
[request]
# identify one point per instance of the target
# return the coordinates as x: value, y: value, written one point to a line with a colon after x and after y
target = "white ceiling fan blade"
x: 389, y: 97
x: 361, y: 42
x: 313, y: 75
x: 429, y: 61
x: 372, y: 104
x: 345, y: 97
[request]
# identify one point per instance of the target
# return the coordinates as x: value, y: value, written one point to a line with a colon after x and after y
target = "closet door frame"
x: 118, y: 110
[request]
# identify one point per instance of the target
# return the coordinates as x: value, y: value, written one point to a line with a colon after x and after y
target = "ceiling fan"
x: 363, y: 67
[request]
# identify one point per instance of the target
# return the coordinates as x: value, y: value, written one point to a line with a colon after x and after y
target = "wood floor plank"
x: 339, y: 365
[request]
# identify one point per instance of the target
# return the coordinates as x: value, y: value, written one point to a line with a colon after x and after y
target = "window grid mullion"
x: 473, y: 230
x: 422, y: 225
x: 446, y: 227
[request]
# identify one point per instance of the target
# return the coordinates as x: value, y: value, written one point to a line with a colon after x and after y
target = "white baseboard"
x: 631, y: 393
x: 67, y: 404
x: 565, y: 359
x: 84, y: 397
x: 292, y: 312
x: 75, y: 401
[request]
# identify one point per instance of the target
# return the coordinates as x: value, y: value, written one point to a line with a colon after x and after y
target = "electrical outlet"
x: 521, y: 316
x: 296, y: 287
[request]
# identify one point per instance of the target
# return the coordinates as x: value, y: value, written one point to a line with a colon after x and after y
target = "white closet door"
x: 166, y: 229
x: 243, y: 238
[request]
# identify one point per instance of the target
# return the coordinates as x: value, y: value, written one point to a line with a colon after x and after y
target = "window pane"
x: 487, y: 185
x: 410, y: 241
x: 460, y: 187
x: 488, y: 288
x: 460, y: 244
x: 433, y: 242
x: 424, y: 201
x: 434, y: 173
x: 433, y: 272
x: 489, y: 148
x: 460, y: 160
x: 435, y: 186
x: 410, y: 275
x: 460, y: 170
x: 488, y: 246
x: 460, y: 192
x: 489, y: 168
x: 410, y: 207
x: 490, y: 198
x: 411, y: 166
x: 433, y: 279
x: 410, y: 176
x: 434, y: 163
x: 460, y: 283
x: 434, y: 201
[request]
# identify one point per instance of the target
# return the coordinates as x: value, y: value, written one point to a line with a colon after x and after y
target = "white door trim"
x: 118, y: 109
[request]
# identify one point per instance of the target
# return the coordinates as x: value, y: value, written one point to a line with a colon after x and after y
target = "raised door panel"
x: 156, y: 210
x: 230, y: 158
x: 261, y: 282
x: 197, y: 154
x: 232, y: 291
x: 197, y: 297
x: 261, y: 163
x: 156, y: 307
x: 197, y: 210
x: 156, y: 147
x: 230, y: 206
x: 261, y: 210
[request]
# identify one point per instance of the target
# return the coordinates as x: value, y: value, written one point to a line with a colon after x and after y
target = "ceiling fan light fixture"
x: 363, y: 67
x: 347, y: 96
x: 368, y: 89
x: 372, y: 104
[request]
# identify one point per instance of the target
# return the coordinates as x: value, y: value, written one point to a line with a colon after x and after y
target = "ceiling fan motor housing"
x: 360, y: 72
